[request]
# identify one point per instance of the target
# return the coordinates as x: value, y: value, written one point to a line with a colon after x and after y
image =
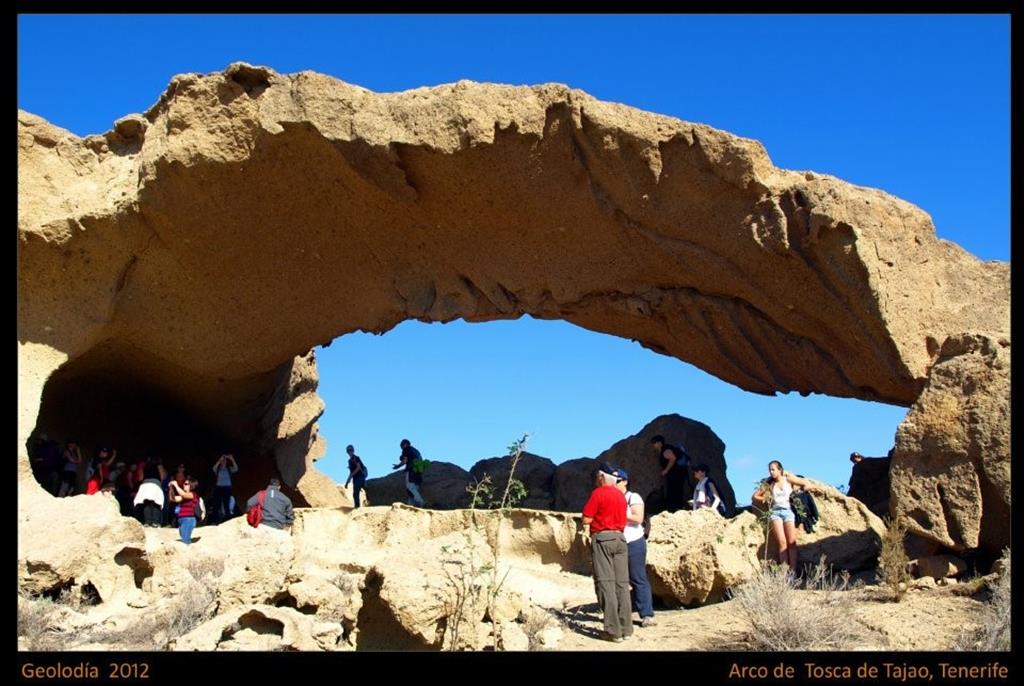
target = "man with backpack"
x: 275, y: 507
x: 675, y: 465
x: 356, y: 473
x: 412, y: 461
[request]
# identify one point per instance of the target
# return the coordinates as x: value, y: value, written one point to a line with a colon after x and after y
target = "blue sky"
x: 918, y: 106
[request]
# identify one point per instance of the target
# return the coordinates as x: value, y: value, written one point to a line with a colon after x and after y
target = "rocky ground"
x: 213, y: 596
x: 928, y: 620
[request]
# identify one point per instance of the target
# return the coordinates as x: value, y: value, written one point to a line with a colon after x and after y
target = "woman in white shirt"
x: 705, y: 493
x: 637, y: 546
x: 774, y: 492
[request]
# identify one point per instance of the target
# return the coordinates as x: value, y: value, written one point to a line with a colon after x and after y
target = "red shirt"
x: 189, y: 507
x: 607, y: 507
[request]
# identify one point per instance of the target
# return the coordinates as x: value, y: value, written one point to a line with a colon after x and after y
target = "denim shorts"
x: 782, y: 514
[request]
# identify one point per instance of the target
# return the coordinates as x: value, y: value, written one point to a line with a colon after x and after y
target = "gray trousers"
x: 611, y: 581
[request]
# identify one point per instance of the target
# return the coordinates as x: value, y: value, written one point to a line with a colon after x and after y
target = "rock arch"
x: 208, y: 244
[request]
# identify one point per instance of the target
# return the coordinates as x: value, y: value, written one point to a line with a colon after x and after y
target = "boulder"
x: 848, y: 534
x: 64, y: 542
x: 536, y: 473
x: 573, y: 482
x: 938, y: 566
x: 437, y: 591
x: 262, y: 628
x: 444, y: 487
x: 951, y: 466
x: 695, y: 557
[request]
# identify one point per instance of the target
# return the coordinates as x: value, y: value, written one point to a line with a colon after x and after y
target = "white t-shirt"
x: 780, y: 495
x: 633, y: 531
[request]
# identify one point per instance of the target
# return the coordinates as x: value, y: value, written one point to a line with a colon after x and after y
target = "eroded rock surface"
x: 203, y: 246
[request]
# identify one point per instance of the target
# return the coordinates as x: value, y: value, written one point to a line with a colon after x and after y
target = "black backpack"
x: 682, y: 457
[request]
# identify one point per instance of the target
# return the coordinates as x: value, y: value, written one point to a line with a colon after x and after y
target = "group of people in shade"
x: 613, y: 520
x: 146, y: 489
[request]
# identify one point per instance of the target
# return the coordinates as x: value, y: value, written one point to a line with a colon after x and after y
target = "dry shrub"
x: 346, y: 583
x: 782, y: 617
x: 535, y: 620
x: 893, y: 561
x: 205, y: 569
x: 38, y: 622
x: 157, y: 627
x: 994, y: 630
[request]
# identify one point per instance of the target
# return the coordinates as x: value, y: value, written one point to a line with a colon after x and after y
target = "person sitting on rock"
x: 277, y: 507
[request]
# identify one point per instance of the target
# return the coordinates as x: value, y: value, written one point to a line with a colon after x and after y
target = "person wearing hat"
x: 637, y: 549
x: 356, y: 473
x: 277, y: 507
x: 605, y: 515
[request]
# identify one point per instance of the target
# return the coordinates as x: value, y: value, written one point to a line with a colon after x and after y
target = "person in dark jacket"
x: 277, y: 507
x: 675, y: 469
x: 805, y: 510
x: 356, y: 473
x: 413, y: 477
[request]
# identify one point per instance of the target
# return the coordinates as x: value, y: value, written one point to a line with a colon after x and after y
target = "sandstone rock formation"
x: 848, y: 534
x: 695, y: 557
x: 79, y: 541
x: 192, y: 256
x: 263, y: 628
x: 951, y: 466
x: 938, y: 567
x: 374, y: 578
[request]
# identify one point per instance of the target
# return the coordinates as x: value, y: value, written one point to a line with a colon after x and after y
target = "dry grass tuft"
x: 785, y: 618
x: 994, y: 632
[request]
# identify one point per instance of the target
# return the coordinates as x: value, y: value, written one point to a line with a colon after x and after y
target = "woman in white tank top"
x: 775, y: 492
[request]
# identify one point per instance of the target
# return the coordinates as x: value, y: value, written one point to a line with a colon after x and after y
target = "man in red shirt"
x: 605, y: 514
